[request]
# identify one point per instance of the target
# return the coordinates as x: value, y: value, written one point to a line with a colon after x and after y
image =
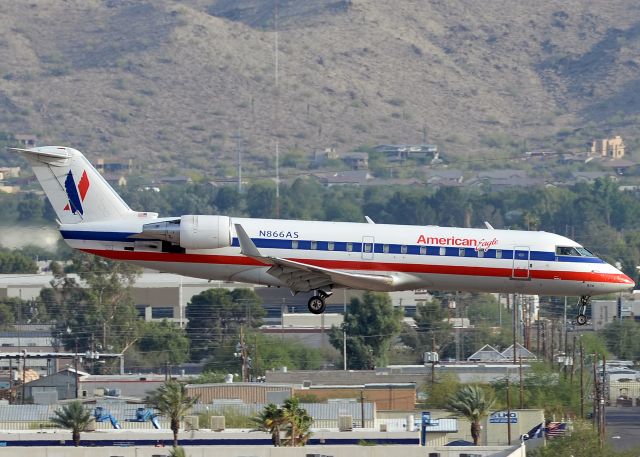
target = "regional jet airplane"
x: 315, y: 256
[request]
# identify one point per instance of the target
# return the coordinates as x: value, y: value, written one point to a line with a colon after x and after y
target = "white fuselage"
x: 417, y: 257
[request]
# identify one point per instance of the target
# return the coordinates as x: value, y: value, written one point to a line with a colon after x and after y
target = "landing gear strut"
x: 581, y: 318
x: 316, y: 303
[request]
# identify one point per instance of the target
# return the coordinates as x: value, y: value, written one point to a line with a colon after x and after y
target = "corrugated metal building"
x: 247, y: 392
x: 386, y: 397
x: 24, y: 417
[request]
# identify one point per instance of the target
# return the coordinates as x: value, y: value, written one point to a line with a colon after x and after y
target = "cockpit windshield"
x: 585, y: 252
x: 573, y: 251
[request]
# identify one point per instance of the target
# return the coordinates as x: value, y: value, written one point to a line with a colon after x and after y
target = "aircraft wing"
x: 303, y: 277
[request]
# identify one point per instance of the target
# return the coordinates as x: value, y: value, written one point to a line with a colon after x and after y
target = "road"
x: 623, y: 427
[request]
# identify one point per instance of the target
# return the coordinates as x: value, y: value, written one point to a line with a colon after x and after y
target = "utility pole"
x: 553, y: 332
x: 521, y: 385
x: 24, y: 372
x: 433, y: 362
x: 239, y: 162
x: 508, y: 411
x: 581, y: 380
x: 515, y: 341
x: 544, y: 341
x: 596, y: 396
x: 277, y: 108
x: 344, y: 331
x: 564, y: 326
x: 603, y: 403
x: 241, y: 351
x: 362, y: 409
x: 11, y: 378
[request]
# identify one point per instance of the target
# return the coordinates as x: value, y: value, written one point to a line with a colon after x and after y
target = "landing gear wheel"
x: 316, y: 304
x: 581, y: 318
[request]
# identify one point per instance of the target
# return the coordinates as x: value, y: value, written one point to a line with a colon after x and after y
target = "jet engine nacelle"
x: 192, y: 231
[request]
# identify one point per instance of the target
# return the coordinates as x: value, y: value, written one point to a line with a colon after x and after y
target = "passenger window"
x: 294, y: 244
x: 385, y: 248
x: 480, y: 252
x: 443, y: 251
x: 403, y: 249
x: 349, y: 247
x: 368, y: 247
x: 330, y: 245
x: 498, y: 253
x: 314, y: 245
x: 423, y: 250
x: 461, y: 252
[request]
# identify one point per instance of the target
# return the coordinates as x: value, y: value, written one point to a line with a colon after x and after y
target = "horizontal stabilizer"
x: 50, y: 153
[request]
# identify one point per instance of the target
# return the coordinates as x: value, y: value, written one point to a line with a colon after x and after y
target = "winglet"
x: 247, y: 247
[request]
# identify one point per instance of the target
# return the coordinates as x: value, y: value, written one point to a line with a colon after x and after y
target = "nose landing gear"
x: 581, y: 318
x: 317, y: 303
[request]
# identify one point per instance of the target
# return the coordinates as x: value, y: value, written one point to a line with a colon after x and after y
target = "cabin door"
x: 521, y: 257
x: 367, y: 248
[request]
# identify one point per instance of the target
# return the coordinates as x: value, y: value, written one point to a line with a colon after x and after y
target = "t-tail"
x: 75, y: 189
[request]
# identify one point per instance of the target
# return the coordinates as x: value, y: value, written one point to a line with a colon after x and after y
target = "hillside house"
x: 114, y: 166
x: 402, y: 152
x: 444, y: 178
x: 608, y: 147
x: 27, y: 140
x: 356, y: 160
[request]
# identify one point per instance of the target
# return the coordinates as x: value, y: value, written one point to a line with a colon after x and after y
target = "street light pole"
x: 75, y: 366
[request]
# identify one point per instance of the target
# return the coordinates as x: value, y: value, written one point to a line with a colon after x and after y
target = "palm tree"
x: 73, y: 417
x: 172, y: 402
x: 472, y: 403
x: 270, y: 420
x: 298, y: 422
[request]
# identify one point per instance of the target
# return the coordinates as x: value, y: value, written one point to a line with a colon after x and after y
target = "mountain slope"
x: 176, y: 81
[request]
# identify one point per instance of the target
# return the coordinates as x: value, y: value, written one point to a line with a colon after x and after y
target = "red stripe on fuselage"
x: 351, y: 265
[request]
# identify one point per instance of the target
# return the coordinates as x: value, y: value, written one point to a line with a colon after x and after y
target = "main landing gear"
x: 581, y: 318
x: 316, y: 303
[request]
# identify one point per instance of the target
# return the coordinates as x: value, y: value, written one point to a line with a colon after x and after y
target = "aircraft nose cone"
x: 627, y: 280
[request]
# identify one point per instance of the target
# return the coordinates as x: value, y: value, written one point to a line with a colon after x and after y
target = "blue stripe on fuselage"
x: 342, y: 246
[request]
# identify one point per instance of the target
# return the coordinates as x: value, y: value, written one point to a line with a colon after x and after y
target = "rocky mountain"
x: 182, y: 83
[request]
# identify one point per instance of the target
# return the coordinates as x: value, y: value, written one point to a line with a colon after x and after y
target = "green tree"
x: 161, y: 343
x: 371, y: 325
x: 298, y: 422
x: 290, y: 418
x: 473, y: 404
x: 581, y: 441
x: 215, y: 316
x: 172, y: 401
x: 438, y: 394
x: 15, y: 262
x: 74, y: 417
x: 271, y: 420
x: 30, y: 208
x: 100, y: 315
x: 227, y: 199
x: 623, y: 338
x: 260, y: 200
x: 430, y: 327
x: 6, y: 317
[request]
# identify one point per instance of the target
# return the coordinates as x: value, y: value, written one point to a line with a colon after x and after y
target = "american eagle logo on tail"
x: 75, y: 193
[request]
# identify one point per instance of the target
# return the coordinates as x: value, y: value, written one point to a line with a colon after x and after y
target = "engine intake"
x: 192, y: 231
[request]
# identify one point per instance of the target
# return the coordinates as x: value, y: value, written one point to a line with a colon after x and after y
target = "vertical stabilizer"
x: 75, y: 189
